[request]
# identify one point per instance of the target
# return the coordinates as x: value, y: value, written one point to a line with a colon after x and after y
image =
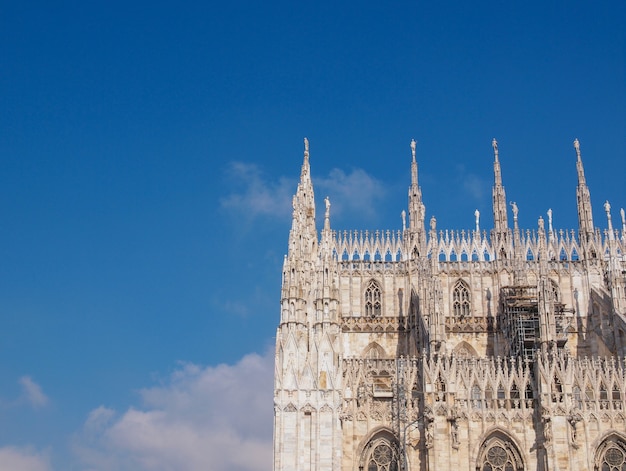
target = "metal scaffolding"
x: 520, y: 319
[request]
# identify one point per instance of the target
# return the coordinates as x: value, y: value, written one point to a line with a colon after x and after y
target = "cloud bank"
x: 209, y: 418
x: 23, y: 459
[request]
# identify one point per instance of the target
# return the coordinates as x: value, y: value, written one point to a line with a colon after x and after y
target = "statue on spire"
x: 306, y: 145
x: 413, y: 144
x: 577, y: 147
x: 494, y: 144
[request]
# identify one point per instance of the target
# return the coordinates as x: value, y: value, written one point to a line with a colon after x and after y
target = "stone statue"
x: 515, y: 209
x: 477, y: 216
x: 327, y: 202
x: 550, y: 220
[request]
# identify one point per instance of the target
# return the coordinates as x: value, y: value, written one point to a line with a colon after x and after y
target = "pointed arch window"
x: 381, y: 454
x: 611, y: 455
x: 477, y: 402
x: 498, y: 453
x: 373, y: 299
x: 461, y: 299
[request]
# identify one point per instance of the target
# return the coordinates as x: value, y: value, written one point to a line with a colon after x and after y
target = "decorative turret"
x: 417, y: 211
x: 583, y: 200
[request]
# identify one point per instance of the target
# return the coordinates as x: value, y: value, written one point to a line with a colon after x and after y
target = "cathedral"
x: 426, y: 349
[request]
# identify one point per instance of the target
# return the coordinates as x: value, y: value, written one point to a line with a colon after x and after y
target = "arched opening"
x: 611, y: 455
x: 461, y: 299
x: 373, y: 299
x: 382, y: 453
x: 499, y: 453
x: 374, y: 352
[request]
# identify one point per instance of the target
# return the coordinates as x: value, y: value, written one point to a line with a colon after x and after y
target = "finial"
x: 403, y: 214
x: 494, y: 144
x: 477, y: 216
x: 306, y: 145
x: 413, y: 144
x: 577, y: 147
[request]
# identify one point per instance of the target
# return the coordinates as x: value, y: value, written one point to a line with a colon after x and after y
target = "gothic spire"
x: 416, y: 207
x: 416, y: 210
x: 303, y: 234
x: 500, y: 223
x: 583, y: 199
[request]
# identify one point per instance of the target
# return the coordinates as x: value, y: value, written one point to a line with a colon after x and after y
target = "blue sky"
x: 149, y: 153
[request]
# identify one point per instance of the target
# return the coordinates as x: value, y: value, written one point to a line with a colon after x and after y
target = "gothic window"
x: 373, y: 304
x: 374, y: 352
x: 604, y: 395
x: 476, y: 397
x: 461, y: 299
x: 611, y: 455
x: 577, y: 397
x: 529, y: 392
x: 616, y: 395
x: 381, y: 455
x: 499, y: 454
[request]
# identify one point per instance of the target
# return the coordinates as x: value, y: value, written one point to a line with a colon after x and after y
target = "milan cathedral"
x: 426, y: 349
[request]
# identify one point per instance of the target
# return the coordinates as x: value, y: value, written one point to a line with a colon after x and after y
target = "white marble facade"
x: 429, y: 349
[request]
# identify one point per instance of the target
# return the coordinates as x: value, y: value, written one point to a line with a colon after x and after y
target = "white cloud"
x: 210, y: 418
x: 355, y: 191
x: 23, y: 459
x: 351, y: 192
x: 32, y: 393
x: 258, y: 197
